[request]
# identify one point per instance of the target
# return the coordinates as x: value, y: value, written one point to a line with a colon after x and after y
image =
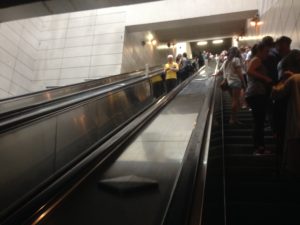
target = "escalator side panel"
x: 32, y: 153
x: 27, y: 157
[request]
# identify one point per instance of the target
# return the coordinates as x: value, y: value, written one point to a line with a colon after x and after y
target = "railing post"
x: 147, y: 70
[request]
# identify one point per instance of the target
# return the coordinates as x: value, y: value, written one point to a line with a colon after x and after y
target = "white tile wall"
x: 280, y: 17
x: 102, y: 60
x: 78, y: 51
x: 70, y: 73
x: 79, y: 46
x: 5, y: 71
x: 76, y: 62
x: 79, y: 41
x: 68, y: 48
x: 18, y: 52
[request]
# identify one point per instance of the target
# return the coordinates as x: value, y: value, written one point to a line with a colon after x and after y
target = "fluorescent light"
x: 161, y: 47
x: 165, y: 46
x: 202, y: 43
x: 260, y: 23
x: 150, y: 36
x: 217, y: 41
x: 249, y: 38
x: 253, y: 23
x: 154, y: 42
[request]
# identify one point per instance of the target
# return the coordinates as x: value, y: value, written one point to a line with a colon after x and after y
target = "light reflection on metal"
x: 40, y: 218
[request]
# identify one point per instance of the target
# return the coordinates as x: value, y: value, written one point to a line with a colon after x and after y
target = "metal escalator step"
x: 250, y: 172
x: 245, y: 140
x: 267, y: 190
x: 243, y: 148
x: 250, y: 160
x: 263, y: 213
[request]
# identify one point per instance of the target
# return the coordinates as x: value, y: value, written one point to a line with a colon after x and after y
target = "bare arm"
x: 252, y: 71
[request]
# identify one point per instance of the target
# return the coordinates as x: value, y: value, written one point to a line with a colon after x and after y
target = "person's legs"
x: 170, y: 84
x: 257, y: 104
x: 235, y: 104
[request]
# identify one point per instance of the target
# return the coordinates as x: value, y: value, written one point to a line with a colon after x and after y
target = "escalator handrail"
x: 105, y: 86
x: 72, y: 85
x: 181, y: 208
x: 90, y: 85
x: 22, y: 116
x: 104, y: 151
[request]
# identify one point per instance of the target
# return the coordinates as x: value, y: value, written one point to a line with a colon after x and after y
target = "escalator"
x: 39, y: 143
x: 243, y: 188
x: 67, y: 159
x: 256, y: 192
x: 16, y: 104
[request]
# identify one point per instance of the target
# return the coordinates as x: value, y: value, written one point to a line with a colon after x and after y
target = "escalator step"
x: 262, y: 214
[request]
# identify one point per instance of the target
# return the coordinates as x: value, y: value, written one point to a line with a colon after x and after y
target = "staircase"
x: 255, y: 194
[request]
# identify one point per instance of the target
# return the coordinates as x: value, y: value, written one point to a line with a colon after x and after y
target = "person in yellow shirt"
x: 171, y: 69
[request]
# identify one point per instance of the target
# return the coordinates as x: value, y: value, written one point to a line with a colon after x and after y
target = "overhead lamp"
x: 201, y: 43
x: 217, y: 41
x: 154, y: 42
x: 249, y: 38
x: 150, y: 36
x: 255, y: 21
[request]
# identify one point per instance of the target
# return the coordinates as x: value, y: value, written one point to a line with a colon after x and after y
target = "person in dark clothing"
x: 281, y: 49
x: 278, y: 106
x: 289, y: 64
x: 201, y: 60
x: 257, y: 94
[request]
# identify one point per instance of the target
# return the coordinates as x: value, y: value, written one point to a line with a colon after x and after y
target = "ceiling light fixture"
x: 217, y: 41
x: 255, y: 21
x: 201, y: 43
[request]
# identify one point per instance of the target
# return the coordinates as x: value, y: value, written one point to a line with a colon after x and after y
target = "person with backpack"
x: 186, y: 67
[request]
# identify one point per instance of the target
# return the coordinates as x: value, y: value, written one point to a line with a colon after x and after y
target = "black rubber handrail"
x: 39, y: 199
x: 25, y: 116
x: 186, y: 202
x: 73, y: 85
x: 94, y: 85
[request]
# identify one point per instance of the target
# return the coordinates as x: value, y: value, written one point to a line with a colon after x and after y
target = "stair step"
x: 250, y: 160
x: 244, y: 148
x: 245, y: 140
x: 263, y: 213
x: 250, y: 172
x: 274, y: 191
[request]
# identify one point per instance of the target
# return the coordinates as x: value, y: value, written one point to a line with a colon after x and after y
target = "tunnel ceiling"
x: 20, y: 9
x: 223, y: 25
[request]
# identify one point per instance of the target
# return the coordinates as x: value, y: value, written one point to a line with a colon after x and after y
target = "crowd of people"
x: 176, y: 71
x: 266, y: 80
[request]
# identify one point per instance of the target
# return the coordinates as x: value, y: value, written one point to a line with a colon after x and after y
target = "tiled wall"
x: 18, y: 53
x: 69, y: 48
x: 79, y: 46
x: 280, y: 17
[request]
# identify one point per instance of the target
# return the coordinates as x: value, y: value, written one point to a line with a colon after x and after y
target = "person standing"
x: 171, y: 69
x: 257, y: 92
x: 232, y: 72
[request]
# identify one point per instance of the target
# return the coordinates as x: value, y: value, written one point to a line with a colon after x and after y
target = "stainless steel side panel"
x: 26, y: 158
x: 32, y: 153
x: 7, y: 105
